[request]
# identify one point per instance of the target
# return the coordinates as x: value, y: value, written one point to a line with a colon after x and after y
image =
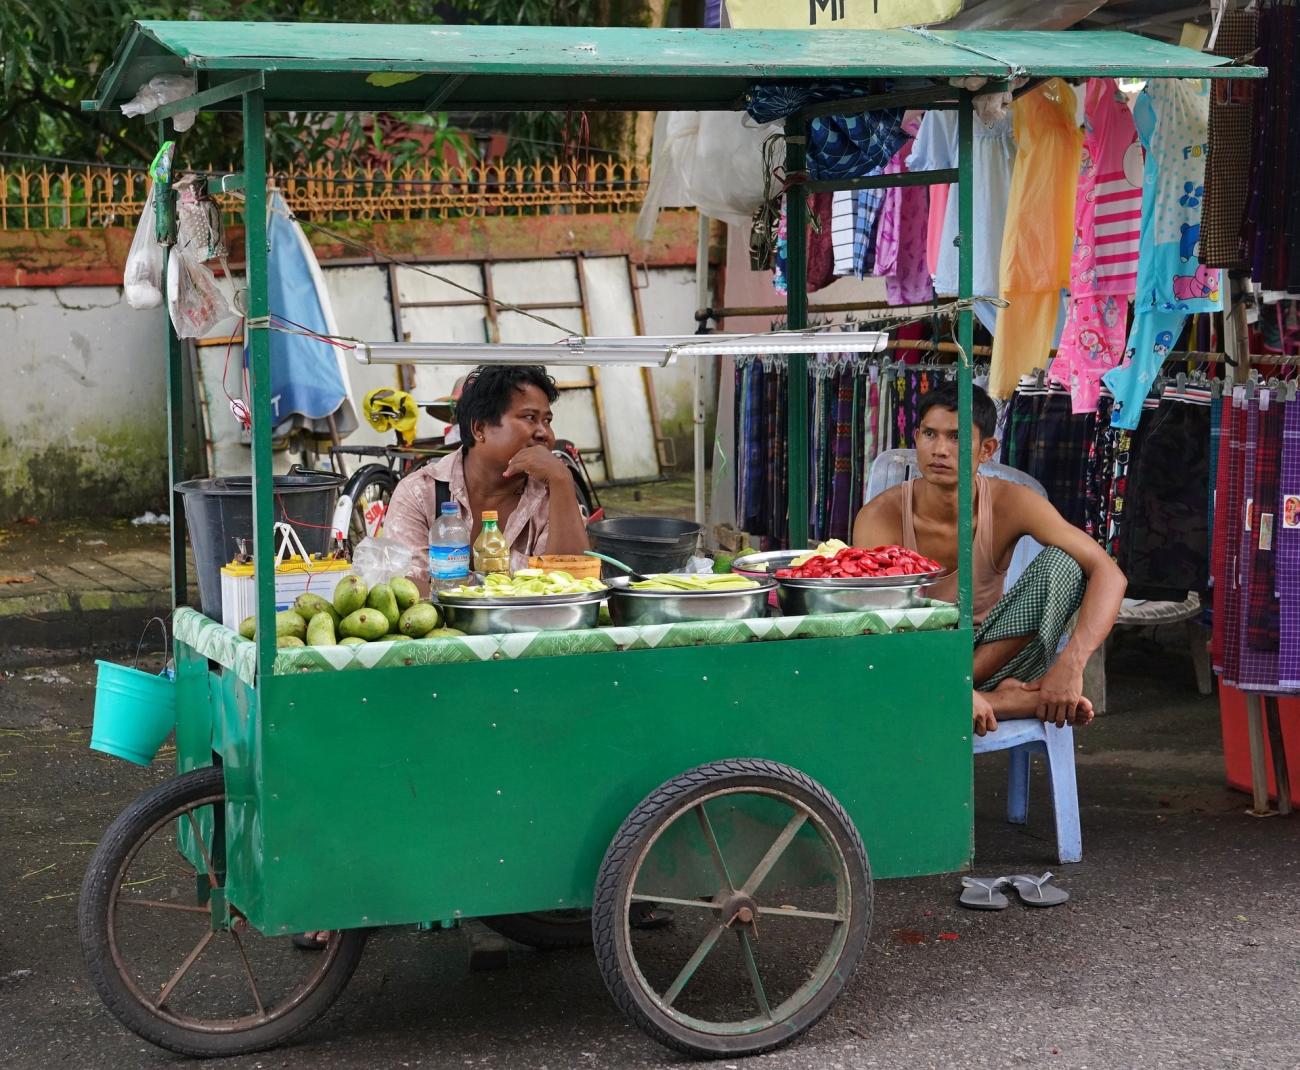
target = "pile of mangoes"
x: 358, y: 614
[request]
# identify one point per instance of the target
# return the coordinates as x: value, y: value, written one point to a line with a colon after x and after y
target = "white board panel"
x: 415, y: 285
x: 523, y: 282
x: 624, y: 390
x: 362, y: 310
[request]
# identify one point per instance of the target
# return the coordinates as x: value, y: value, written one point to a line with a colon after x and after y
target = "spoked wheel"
x: 771, y: 894
x: 546, y: 930
x: 147, y: 935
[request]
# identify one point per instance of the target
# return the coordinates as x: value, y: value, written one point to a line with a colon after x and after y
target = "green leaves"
x: 52, y: 54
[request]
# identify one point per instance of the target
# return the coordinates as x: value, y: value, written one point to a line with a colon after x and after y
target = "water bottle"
x: 448, y: 549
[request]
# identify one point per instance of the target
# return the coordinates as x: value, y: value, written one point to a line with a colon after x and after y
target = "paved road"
x: 1178, y: 949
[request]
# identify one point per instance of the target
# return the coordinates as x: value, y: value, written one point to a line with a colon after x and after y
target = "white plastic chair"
x: 1021, y: 737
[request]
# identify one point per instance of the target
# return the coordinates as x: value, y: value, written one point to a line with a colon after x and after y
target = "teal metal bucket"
x: 134, y: 712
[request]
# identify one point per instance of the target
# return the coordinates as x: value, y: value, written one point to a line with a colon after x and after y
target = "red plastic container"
x: 1236, y: 741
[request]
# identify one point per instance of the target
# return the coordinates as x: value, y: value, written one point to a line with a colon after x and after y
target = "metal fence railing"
x: 70, y: 198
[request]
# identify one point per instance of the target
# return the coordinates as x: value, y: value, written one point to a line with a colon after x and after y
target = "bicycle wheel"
x: 145, y: 924
x: 370, y: 488
x: 771, y: 896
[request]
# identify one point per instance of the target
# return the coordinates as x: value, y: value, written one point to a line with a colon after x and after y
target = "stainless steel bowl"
x: 800, y: 597
x: 492, y: 616
x: 629, y: 607
x: 759, y: 566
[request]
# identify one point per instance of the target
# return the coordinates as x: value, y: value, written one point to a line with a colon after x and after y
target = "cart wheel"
x: 771, y: 894
x: 145, y: 925
x: 546, y: 930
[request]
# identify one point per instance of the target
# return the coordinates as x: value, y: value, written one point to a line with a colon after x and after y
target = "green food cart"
x: 754, y: 777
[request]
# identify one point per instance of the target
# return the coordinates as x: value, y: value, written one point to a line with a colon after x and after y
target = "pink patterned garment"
x: 901, y: 238
x: 1103, y: 265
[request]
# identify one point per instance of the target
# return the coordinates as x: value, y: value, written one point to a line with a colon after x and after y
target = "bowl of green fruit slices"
x: 532, y: 600
x: 673, y: 598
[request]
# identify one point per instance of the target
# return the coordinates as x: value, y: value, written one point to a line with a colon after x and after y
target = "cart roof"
x: 340, y: 66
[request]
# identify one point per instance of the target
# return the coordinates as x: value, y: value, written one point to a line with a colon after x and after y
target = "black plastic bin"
x: 220, y: 511
x: 645, y: 543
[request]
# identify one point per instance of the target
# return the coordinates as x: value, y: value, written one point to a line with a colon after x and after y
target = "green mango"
x: 287, y: 622
x: 320, y: 630
x: 368, y: 624
x: 390, y: 638
x: 406, y: 592
x: 381, y: 598
x: 419, y: 619
x: 443, y: 633
x: 350, y: 595
x: 289, y: 640
x: 248, y: 627
x: 308, y: 605
x: 352, y: 640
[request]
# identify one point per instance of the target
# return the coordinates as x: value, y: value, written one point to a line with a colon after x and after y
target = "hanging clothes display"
x: 1274, y: 181
x: 900, y: 253
x: 1045, y: 440
x: 993, y: 157
x: 1164, y: 550
x: 842, y: 231
x: 1171, y: 116
x: 1257, y: 666
x: 1287, y: 538
x: 1142, y: 495
x: 1036, y: 246
x: 1231, y: 131
x: 821, y: 254
x: 857, y: 409
x: 1255, y: 556
x: 839, y: 146
x: 1103, y: 262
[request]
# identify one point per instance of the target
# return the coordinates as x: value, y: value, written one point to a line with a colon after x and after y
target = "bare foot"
x: 1012, y: 699
x: 985, y: 719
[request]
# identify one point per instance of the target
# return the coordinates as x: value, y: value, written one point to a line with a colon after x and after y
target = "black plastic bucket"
x: 645, y: 543
x: 220, y: 511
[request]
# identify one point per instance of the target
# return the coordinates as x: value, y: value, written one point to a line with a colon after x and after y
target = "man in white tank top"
x: 1016, y: 670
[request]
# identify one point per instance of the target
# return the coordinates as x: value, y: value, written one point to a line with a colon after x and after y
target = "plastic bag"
x: 142, y: 279
x: 199, y: 229
x: 161, y: 90
x: 712, y: 161
x: 195, y: 301
x: 379, y: 559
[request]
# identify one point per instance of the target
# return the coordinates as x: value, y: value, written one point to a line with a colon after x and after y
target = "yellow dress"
x: 1039, y: 233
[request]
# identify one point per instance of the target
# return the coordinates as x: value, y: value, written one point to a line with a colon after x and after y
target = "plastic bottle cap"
x: 450, y: 509
x: 489, y: 514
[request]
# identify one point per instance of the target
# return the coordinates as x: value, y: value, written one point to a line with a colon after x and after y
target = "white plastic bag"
x: 712, y: 161
x: 379, y: 559
x: 161, y: 90
x: 142, y: 279
x: 194, y: 300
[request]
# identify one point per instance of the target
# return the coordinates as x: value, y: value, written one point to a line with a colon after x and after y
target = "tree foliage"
x: 52, y: 54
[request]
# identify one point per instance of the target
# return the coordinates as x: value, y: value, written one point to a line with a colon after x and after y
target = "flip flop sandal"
x: 1037, y: 892
x: 310, y: 942
x: 982, y: 893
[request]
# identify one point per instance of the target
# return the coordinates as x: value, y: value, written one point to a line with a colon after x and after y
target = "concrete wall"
x: 83, y: 409
x: 82, y: 405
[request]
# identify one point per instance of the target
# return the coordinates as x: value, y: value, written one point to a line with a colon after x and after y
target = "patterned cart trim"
x: 233, y: 651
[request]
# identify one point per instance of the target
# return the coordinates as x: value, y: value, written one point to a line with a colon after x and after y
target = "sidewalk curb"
x: 80, y: 619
